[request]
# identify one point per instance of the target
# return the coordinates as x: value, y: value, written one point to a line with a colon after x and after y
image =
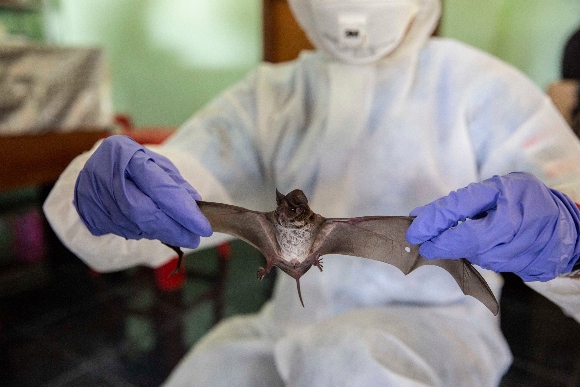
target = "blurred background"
x: 167, y: 58
x: 162, y: 60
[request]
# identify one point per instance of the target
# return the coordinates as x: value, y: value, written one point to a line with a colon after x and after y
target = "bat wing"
x: 382, y: 238
x: 252, y: 227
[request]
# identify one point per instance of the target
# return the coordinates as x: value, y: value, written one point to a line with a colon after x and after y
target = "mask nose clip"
x: 352, y: 31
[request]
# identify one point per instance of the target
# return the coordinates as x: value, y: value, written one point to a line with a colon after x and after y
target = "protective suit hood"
x: 424, y: 17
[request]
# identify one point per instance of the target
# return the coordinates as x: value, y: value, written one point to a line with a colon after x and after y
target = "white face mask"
x: 362, y: 31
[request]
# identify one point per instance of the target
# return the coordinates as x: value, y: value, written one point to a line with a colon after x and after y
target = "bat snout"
x: 281, y: 214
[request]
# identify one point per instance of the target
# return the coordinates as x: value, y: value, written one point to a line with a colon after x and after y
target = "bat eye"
x: 293, y: 209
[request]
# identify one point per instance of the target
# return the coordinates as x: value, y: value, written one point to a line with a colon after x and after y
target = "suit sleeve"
x: 111, y: 252
x: 215, y: 151
x: 514, y: 126
x: 223, y: 138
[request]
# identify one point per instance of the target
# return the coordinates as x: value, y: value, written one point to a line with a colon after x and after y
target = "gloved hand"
x: 128, y: 190
x: 511, y: 223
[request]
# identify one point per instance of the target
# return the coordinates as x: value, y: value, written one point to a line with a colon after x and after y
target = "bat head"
x: 293, y: 210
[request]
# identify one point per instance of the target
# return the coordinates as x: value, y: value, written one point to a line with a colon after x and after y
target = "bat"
x: 294, y: 238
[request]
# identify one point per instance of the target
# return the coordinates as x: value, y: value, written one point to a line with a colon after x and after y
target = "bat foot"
x: 318, y: 263
x: 262, y: 273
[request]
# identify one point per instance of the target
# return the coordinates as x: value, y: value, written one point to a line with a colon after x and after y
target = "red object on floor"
x: 224, y: 251
x: 165, y: 280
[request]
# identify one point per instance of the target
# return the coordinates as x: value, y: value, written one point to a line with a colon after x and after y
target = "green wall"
x: 530, y: 34
x: 23, y: 24
x: 169, y: 57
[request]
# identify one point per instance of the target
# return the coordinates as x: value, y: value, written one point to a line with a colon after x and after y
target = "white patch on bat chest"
x: 295, y: 243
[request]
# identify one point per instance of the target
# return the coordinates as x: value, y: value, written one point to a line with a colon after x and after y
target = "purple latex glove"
x: 127, y: 190
x: 511, y: 223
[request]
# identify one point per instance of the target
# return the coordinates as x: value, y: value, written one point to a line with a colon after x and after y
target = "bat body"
x: 294, y: 238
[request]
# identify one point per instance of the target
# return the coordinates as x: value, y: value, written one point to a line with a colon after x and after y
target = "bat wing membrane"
x: 378, y: 238
x: 382, y: 238
x: 252, y: 227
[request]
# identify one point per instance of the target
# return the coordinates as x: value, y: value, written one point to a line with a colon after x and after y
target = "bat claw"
x: 262, y: 273
x: 318, y: 263
x: 179, y: 259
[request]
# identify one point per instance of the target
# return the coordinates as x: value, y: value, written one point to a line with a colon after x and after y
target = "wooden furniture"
x: 283, y: 38
x: 55, y: 105
x: 39, y: 159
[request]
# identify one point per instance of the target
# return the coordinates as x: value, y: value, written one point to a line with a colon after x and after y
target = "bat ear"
x: 279, y: 197
x: 298, y: 198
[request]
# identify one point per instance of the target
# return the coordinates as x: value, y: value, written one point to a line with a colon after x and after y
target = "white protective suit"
x: 379, y: 139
